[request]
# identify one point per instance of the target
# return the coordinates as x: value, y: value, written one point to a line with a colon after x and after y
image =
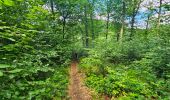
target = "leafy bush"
x: 119, y: 82
x: 29, y: 78
x: 28, y: 72
x: 91, y: 65
x: 133, y: 70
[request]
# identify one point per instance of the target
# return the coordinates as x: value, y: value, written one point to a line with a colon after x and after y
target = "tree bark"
x: 123, y: 23
x: 52, y: 6
x: 92, y: 24
x: 108, y: 19
x: 64, y: 24
x: 107, y: 24
x: 92, y: 29
x: 134, y: 13
x: 86, y: 26
x: 147, y: 25
x: 132, y: 25
x: 159, y: 15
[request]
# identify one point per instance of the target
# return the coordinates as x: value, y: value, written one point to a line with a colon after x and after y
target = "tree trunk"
x: 107, y: 24
x: 92, y: 24
x: 52, y: 6
x: 64, y: 24
x: 132, y: 25
x: 86, y: 27
x: 108, y: 18
x: 147, y: 25
x: 92, y: 29
x: 121, y: 33
x: 159, y: 15
x: 123, y: 23
x: 134, y: 13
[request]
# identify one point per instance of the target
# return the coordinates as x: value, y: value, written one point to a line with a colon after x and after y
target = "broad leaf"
x: 1, y: 73
x: 4, y: 66
x: 15, y: 71
x: 8, y: 2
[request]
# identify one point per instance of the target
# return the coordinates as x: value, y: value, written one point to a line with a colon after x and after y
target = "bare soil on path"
x: 77, y: 90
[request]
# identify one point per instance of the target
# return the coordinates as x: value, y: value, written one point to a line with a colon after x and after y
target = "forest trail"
x: 77, y: 90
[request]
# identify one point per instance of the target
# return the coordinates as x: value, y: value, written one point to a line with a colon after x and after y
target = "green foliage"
x: 136, y: 69
x: 33, y: 58
x: 91, y: 65
x: 32, y: 73
x: 34, y: 78
x: 7, y: 2
x: 122, y: 81
x: 38, y: 38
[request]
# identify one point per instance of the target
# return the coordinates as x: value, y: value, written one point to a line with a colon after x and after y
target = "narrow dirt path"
x: 77, y: 91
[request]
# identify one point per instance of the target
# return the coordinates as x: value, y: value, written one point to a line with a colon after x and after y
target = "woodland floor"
x: 77, y: 90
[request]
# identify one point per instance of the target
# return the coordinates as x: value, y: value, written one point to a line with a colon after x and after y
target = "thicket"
x: 33, y: 60
x: 121, y: 59
x: 135, y: 69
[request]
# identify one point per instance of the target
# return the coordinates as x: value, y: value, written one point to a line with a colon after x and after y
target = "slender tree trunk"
x: 123, y: 23
x: 134, y: 13
x: 92, y: 23
x: 107, y: 24
x: 132, y: 25
x: 147, y: 25
x: 86, y: 26
x: 52, y: 6
x: 108, y: 18
x: 159, y: 15
x: 64, y: 24
x: 92, y: 29
x: 121, y: 33
x: 118, y: 36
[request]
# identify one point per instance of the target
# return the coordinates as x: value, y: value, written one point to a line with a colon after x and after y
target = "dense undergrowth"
x: 33, y: 61
x: 132, y: 70
x: 120, y: 58
x: 29, y: 73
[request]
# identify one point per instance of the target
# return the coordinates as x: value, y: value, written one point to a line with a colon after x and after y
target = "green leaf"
x: 11, y: 76
x: 20, y: 0
x: 12, y: 39
x: 4, y: 27
x: 0, y: 4
x: 15, y: 71
x: 4, y: 66
x: 8, y: 2
x: 1, y: 73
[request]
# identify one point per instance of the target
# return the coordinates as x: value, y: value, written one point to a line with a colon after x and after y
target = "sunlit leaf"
x: 19, y: 0
x: 15, y: 71
x: 1, y: 73
x: 4, y: 66
x: 8, y: 2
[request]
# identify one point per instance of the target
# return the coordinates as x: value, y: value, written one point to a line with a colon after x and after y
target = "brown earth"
x: 77, y: 90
